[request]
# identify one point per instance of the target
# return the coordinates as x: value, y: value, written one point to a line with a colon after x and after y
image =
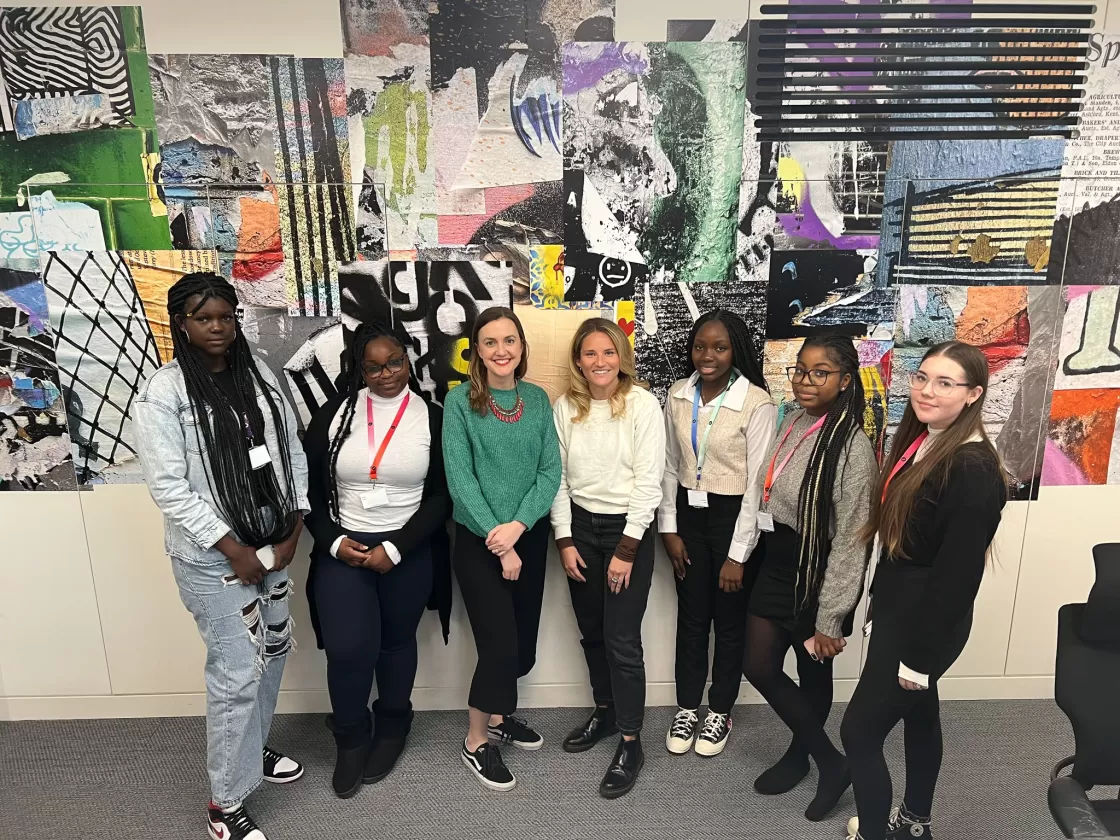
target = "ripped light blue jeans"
x: 248, y: 635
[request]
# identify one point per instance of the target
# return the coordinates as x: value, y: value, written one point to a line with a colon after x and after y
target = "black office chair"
x: 1087, y: 689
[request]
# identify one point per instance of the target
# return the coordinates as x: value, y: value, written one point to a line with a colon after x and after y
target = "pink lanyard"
x: 901, y: 462
x: 375, y: 460
x: 772, y: 474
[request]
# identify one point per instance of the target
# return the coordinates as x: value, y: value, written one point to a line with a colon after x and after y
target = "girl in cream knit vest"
x: 719, y: 424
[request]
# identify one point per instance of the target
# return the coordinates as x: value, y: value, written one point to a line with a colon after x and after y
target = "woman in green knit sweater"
x: 503, y: 470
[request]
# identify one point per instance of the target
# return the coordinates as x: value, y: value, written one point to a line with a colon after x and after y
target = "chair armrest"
x: 1073, y: 811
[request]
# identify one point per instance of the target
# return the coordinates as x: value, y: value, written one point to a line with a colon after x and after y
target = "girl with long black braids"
x: 718, y: 425
x: 935, y: 509
x: 378, y: 494
x: 218, y: 444
x: 816, y: 492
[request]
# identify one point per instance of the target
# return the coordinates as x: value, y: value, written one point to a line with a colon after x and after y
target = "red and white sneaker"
x: 235, y: 824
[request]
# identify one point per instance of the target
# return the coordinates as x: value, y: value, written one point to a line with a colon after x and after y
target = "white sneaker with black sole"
x: 487, y: 765
x: 232, y: 824
x: 713, y: 734
x: 682, y: 732
x: 515, y: 731
x: 279, y: 769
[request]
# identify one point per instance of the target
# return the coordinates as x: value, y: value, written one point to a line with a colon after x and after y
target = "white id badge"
x: 697, y: 499
x: 259, y: 457
x: 765, y: 521
x: 377, y: 497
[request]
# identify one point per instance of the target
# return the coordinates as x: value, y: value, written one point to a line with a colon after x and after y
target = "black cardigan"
x: 950, y: 531
x: 428, y: 523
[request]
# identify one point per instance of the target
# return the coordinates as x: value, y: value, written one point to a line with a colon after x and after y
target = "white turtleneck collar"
x: 384, y: 402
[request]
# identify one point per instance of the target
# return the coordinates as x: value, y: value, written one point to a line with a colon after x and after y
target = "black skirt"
x: 778, y: 595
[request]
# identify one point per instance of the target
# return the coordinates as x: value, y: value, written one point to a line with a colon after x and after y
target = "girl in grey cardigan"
x: 815, y: 499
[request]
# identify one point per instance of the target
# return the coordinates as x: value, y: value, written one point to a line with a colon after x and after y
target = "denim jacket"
x: 173, y: 465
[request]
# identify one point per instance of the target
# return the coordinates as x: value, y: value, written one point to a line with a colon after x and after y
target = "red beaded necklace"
x: 508, y: 416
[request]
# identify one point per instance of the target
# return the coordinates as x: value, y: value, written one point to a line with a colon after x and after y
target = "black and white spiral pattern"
x: 47, y: 53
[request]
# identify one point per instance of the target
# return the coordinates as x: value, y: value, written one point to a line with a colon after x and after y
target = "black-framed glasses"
x: 942, y: 387
x: 815, y: 376
x: 393, y: 366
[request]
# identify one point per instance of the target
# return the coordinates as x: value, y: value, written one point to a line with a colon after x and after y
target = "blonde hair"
x: 579, y: 394
x: 476, y: 369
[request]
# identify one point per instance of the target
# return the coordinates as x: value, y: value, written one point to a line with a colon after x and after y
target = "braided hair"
x: 259, y: 510
x: 351, y: 381
x: 743, y: 353
x: 815, y: 501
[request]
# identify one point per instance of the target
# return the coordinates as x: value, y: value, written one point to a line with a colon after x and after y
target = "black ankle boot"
x: 390, y: 734
x: 786, y: 774
x: 600, y: 725
x: 833, y: 780
x: 624, y: 769
x: 350, y: 761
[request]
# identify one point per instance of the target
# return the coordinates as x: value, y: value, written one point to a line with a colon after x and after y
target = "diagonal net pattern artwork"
x: 105, y: 350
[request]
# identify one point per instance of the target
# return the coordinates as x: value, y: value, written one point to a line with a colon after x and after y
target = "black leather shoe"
x: 600, y: 725
x: 624, y: 770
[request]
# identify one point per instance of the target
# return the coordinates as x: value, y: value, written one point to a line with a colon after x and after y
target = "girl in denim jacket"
x: 220, y: 454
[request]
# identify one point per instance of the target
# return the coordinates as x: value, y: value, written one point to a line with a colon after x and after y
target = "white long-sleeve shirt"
x: 610, y: 465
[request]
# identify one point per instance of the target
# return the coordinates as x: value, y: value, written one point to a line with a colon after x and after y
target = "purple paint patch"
x: 585, y: 64
x: 32, y: 299
x: 1058, y: 470
x: 806, y: 224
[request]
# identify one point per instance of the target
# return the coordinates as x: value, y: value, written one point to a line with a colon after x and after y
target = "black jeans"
x: 368, y: 625
x: 879, y: 703
x: 611, y: 624
x: 505, y: 615
x: 707, y: 534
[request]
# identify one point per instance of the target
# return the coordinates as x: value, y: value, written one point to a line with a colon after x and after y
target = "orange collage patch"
x: 1082, y: 424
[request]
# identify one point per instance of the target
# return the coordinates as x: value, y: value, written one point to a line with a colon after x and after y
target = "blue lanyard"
x: 700, y: 450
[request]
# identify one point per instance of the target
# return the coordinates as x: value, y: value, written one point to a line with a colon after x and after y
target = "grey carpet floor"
x: 108, y: 780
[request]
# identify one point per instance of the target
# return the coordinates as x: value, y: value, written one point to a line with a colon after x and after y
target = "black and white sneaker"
x: 682, y: 732
x: 232, y: 825
x: 515, y: 731
x: 901, y: 824
x: 487, y: 765
x: 279, y: 769
x: 713, y: 734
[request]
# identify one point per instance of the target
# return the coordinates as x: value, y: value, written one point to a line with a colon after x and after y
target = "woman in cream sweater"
x: 612, y: 444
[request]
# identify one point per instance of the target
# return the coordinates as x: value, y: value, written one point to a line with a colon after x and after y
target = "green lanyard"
x: 701, y: 450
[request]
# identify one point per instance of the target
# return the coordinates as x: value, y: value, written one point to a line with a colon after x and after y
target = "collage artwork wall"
x: 464, y: 155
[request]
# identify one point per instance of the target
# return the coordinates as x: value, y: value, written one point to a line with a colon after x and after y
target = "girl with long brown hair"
x: 612, y: 447
x: 503, y: 470
x: 934, y: 513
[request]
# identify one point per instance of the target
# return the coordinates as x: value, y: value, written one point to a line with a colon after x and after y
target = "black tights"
x: 877, y: 706
x: 803, y: 708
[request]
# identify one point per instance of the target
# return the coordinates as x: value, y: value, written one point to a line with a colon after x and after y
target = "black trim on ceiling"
x: 833, y: 9
x: 770, y: 135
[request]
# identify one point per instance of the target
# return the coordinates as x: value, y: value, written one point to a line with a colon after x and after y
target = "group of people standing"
x: 769, y: 528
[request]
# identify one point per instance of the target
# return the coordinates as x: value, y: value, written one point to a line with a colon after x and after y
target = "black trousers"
x: 707, y: 534
x: 368, y: 625
x: 611, y: 625
x: 879, y: 703
x: 505, y: 615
